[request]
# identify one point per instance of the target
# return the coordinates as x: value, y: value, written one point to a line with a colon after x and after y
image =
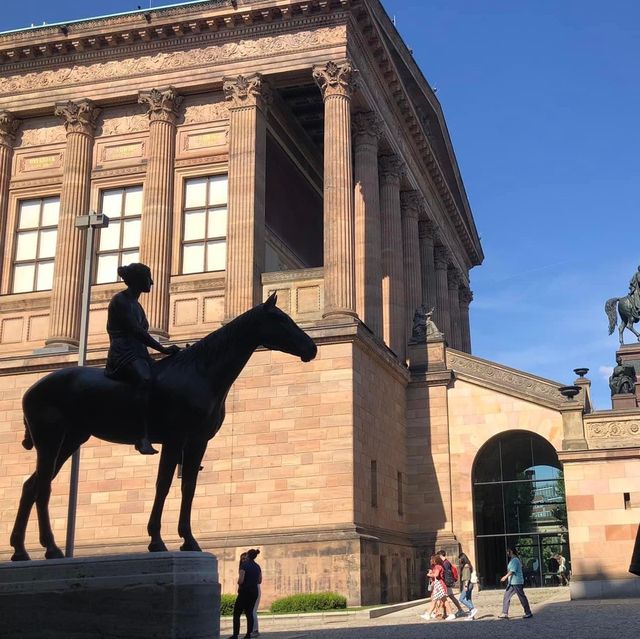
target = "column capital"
x: 9, y: 125
x: 441, y: 257
x: 79, y: 116
x: 335, y: 79
x: 410, y: 204
x: 466, y: 296
x: 454, y: 278
x: 427, y: 229
x: 366, y: 127
x: 244, y: 91
x: 391, y: 168
x: 162, y: 104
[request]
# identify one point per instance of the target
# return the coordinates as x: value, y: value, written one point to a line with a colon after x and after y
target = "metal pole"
x: 91, y: 223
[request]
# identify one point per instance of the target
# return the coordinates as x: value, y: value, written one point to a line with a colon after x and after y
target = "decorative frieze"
x: 613, y: 430
x: 203, y: 109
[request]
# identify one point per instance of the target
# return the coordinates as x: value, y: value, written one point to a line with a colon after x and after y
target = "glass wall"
x: 519, y: 502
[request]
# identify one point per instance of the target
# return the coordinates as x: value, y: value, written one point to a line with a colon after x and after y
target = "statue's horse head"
x: 278, y: 332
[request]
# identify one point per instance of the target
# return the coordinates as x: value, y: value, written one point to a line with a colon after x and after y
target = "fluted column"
x: 466, y: 296
x: 453, y: 282
x: 441, y: 314
x: 426, y: 233
x: 248, y: 98
x: 366, y: 135
x: 8, y: 128
x: 64, y: 322
x: 409, y: 207
x: 393, y: 296
x: 157, y: 210
x: 336, y: 81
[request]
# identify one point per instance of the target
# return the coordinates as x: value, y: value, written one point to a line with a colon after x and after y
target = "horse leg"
x: 166, y: 468
x: 620, y: 331
x: 19, y: 531
x: 193, y: 454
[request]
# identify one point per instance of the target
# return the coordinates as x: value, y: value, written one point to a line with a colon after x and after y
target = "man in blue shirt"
x: 515, y: 585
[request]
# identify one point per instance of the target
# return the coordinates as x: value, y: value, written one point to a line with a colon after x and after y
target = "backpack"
x: 450, y: 573
x: 474, y: 577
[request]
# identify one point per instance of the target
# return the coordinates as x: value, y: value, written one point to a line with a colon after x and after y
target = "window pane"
x: 50, y: 211
x: 193, y: 258
x: 107, y: 268
x: 47, y: 243
x: 27, y: 246
x: 44, y: 280
x: 29, y: 214
x: 110, y: 236
x: 23, y: 278
x: 133, y: 201
x: 195, y: 193
x: 217, y: 223
x: 112, y: 203
x: 216, y: 255
x: 131, y: 235
x: 487, y: 506
x: 129, y: 257
x: 218, y: 190
x: 194, y: 222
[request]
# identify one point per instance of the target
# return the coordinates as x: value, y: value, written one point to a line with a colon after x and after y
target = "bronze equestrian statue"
x: 185, y: 410
x: 628, y: 309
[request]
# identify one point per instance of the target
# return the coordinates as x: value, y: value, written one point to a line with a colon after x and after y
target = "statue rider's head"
x: 136, y: 276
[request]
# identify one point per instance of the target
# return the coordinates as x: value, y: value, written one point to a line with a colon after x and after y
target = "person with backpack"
x: 467, y: 580
x: 450, y: 580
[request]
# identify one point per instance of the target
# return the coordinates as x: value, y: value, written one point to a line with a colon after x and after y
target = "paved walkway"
x: 554, y: 616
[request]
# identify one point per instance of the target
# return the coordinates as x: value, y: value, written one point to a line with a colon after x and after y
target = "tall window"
x: 35, y: 245
x: 204, y: 232
x: 120, y: 241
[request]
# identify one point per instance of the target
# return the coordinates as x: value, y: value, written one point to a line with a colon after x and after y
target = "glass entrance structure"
x: 519, y: 502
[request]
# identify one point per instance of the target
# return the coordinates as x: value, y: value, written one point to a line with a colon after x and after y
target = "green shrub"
x: 310, y: 602
x: 226, y: 605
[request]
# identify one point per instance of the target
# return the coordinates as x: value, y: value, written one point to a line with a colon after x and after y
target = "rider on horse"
x: 128, y: 359
x: 634, y: 294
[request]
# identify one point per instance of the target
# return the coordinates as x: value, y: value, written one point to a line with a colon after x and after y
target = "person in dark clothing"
x: 128, y: 359
x: 249, y: 578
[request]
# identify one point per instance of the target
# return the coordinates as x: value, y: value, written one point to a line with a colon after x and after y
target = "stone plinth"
x: 630, y: 356
x: 626, y: 401
x: 164, y: 595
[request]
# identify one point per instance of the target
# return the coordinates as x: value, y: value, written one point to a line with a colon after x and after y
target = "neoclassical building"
x: 242, y: 148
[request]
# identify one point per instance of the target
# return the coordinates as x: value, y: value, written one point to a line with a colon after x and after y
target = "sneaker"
x: 503, y: 616
x: 451, y: 617
x: 527, y: 616
x: 473, y: 613
x: 461, y: 613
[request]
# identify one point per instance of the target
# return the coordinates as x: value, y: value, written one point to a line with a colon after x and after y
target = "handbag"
x: 474, y: 577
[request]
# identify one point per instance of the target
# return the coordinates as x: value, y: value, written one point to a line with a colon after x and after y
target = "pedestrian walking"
x: 451, y: 579
x: 438, y: 589
x: 249, y: 578
x: 466, y: 585
x: 515, y: 585
x: 562, y: 570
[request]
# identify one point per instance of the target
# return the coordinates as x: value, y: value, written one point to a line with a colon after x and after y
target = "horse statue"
x: 65, y: 408
x: 628, y: 311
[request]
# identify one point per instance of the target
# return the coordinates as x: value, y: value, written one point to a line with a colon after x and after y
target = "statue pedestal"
x: 162, y: 595
x: 630, y: 356
x: 624, y: 402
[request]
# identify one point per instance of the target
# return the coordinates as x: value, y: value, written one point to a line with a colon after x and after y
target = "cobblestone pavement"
x: 554, y: 615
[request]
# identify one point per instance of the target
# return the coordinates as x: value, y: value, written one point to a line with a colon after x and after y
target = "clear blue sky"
x: 542, y: 100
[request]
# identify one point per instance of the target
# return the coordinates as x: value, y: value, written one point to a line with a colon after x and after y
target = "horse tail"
x: 610, y: 310
x: 27, y: 442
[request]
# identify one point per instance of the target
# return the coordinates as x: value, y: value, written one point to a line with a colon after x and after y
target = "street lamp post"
x: 91, y: 223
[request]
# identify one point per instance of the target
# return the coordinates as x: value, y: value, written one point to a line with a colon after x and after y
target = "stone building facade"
x: 241, y: 148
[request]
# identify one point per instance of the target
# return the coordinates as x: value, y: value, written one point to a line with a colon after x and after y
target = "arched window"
x: 519, y: 501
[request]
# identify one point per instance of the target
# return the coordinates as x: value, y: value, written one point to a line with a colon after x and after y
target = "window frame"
x: 38, y: 229
x: 120, y: 250
x: 185, y: 179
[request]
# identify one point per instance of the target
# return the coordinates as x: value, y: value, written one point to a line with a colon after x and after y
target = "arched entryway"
x: 519, y: 501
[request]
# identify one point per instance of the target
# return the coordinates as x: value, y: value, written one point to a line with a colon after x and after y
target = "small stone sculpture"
x: 623, y: 379
x: 423, y: 326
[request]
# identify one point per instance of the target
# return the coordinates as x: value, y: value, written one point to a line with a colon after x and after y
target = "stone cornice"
x: 506, y: 380
x: 60, y: 42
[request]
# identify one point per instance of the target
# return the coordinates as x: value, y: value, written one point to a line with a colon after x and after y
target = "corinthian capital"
x: 79, y: 116
x: 366, y: 128
x: 8, y: 128
x: 454, y: 278
x: 391, y: 168
x: 466, y: 296
x: 162, y: 104
x: 247, y: 91
x: 441, y: 257
x: 427, y: 229
x: 410, y: 204
x: 335, y: 79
